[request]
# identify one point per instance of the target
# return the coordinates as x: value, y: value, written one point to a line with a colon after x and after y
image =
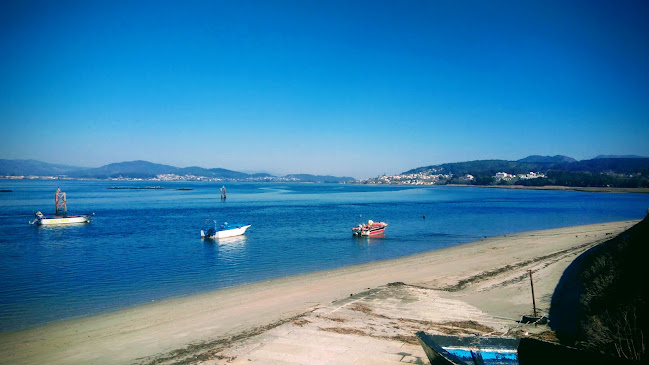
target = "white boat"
x: 225, y: 230
x: 40, y: 219
x: 61, y: 216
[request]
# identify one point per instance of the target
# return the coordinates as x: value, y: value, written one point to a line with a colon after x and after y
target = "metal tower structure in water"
x: 61, y: 204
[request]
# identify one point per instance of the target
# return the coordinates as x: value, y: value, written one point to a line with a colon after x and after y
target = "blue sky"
x: 354, y: 88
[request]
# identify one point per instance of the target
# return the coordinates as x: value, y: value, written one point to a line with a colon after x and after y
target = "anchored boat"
x: 371, y: 228
x: 40, y: 219
x: 224, y: 230
x: 61, y: 216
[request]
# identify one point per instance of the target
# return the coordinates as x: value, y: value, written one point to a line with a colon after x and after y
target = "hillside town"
x: 435, y: 177
x: 174, y: 177
x: 160, y: 177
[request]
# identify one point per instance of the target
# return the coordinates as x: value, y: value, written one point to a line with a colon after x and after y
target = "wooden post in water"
x: 533, y: 300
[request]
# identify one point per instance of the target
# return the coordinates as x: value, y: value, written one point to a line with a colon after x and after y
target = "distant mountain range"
x: 600, y: 164
x: 620, y: 156
x: 547, y: 159
x: 33, y: 167
x: 144, y: 170
x: 147, y: 170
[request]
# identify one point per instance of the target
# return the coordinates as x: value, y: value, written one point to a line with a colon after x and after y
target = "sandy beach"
x: 361, y: 314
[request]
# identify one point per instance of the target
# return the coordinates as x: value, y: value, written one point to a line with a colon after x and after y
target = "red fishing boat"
x: 371, y: 228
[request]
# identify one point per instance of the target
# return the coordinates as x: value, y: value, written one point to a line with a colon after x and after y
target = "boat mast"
x: 61, y: 204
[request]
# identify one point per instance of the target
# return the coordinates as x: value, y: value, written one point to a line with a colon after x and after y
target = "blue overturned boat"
x: 477, y: 350
x: 457, y: 350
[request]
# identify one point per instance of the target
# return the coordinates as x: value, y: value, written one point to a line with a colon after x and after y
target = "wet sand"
x: 351, y: 313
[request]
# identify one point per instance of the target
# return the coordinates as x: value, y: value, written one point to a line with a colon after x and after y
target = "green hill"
x: 627, y: 172
x: 600, y: 302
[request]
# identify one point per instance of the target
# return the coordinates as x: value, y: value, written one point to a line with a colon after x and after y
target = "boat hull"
x: 370, y: 229
x: 63, y: 220
x: 485, y: 350
x: 231, y: 232
x: 458, y: 350
x: 369, y: 232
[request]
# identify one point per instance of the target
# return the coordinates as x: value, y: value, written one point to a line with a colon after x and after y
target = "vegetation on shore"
x: 600, y: 303
x: 616, y: 172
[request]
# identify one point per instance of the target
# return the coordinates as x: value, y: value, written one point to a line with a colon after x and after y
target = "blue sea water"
x: 145, y: 245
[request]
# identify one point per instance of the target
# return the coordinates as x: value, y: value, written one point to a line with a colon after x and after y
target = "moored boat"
x: 61, y: 216
x: 224, y: 230
x: 370, y: 228
x: 40, y: 219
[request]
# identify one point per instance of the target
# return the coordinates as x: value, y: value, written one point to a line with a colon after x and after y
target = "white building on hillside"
x: 531, y: 175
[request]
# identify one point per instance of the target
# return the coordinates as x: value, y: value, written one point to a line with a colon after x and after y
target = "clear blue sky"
x: 355, y: 88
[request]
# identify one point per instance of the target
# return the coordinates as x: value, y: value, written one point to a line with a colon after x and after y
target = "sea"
x: 144, y: 245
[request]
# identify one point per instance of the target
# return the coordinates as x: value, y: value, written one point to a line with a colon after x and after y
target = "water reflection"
x: 232, y: 250
x: 368, y: 240
x: 232, y: 241
x: 229, y: 250
x: 60, y: 227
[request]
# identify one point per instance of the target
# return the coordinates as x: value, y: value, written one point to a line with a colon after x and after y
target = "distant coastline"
x: 142, y: 188
x: 553, y: 187
x: 602, y: 173
x: 146, y: 171
x: 589, y: 189
x: 533, y: 171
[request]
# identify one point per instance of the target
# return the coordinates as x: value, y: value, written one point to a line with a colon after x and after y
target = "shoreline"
x: 522, y: 187
x: 560, y: 188
x: 148, y: 331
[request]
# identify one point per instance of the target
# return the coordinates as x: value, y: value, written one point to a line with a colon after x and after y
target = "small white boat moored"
x: 61, y: 216
x: 224, y: 230
x: 40, y: 219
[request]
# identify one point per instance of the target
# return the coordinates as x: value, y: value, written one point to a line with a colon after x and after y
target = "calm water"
x: 145, y: 245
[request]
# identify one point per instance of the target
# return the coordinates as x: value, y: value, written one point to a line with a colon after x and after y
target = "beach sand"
x: 361, y: 314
